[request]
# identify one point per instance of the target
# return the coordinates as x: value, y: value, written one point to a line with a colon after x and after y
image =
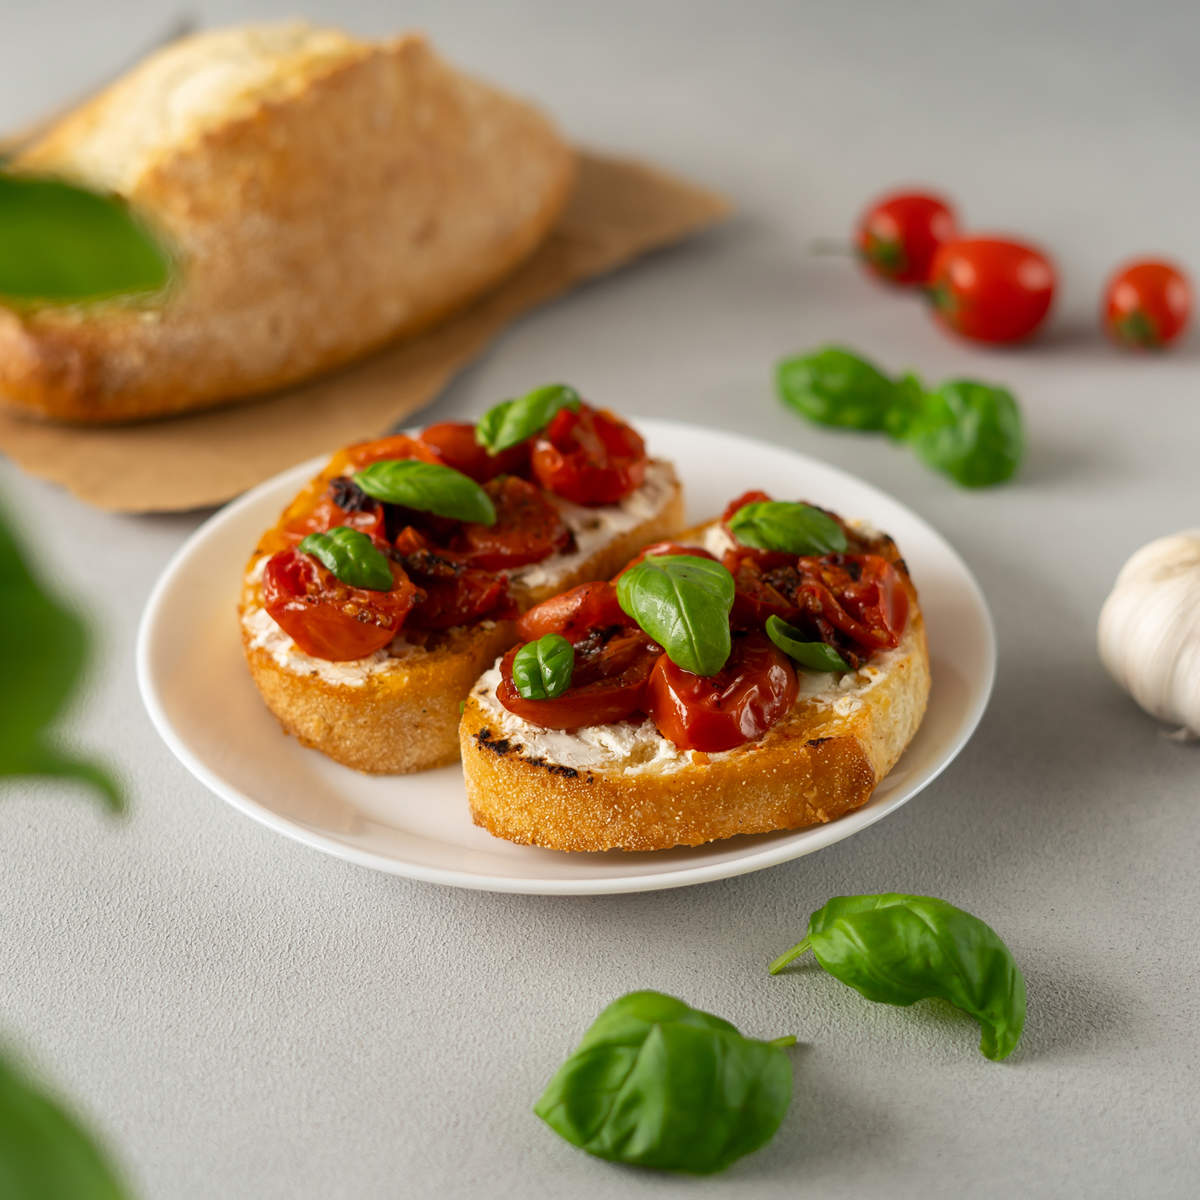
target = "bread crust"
x: 405, y: 717
x: 368, y: 193
x: 814, y: 766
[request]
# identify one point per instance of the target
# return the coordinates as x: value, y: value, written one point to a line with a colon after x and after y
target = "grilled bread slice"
x: 324, y: 195
x: 398, y: 710
x: 626, y: 787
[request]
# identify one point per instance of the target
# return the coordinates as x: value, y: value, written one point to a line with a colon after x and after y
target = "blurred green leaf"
x: 63, y: 243
x: 43, y: 646
x: 44, y: 1154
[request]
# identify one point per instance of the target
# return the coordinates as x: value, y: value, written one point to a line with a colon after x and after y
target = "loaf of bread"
x: 322, y: 195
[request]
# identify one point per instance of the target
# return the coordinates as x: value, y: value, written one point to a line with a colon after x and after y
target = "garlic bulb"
x: 1150, y: 630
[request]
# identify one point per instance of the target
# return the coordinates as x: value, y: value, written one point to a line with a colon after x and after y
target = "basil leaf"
x: 43, y: 1150
x: 542, y: 670
x: 791, y: 527
x: 63, y: 243
x: 898, y: 949
x: 429, y: 487
x: 816, y: 656
x: 683, y: 602
x: 43, y: 646
x: 656, y: 1083
x: 351, y: 556
x: 512, y: 421
x: 834, y: 386
x: 970, y: 431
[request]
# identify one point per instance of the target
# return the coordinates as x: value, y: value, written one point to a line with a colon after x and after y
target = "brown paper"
x: 620, y: 209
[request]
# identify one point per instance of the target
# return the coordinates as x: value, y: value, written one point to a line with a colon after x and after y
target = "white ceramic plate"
x: 200, y: 697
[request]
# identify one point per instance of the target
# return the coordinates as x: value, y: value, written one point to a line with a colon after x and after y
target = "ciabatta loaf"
x: 398, y: 710
x: 323, y: 195
x: 627, y: 787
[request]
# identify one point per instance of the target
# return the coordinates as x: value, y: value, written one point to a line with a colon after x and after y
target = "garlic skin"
x: 1149, y: 632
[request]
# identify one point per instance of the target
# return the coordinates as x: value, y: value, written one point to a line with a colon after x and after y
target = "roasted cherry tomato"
x: 455, y: 446
x: 658, y: 549
x: 342, y: 504
x: 396, y: 445
x: 990, y: 289
x: 528, y: 528
x: 589, y: 456
x: 608, y: 683
x: 741, y: 702
x: 762, y: 589
x: 898, y: 236
x: 327, y: 618
x: 860, y: 595
x: 572, y: 614
x: 1147, y: 304
x: 455, y: 593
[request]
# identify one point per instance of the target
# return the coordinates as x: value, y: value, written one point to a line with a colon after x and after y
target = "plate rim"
x: 784, y: 850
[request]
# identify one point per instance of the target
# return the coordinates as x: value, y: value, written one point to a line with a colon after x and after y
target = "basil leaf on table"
x: 542, y: 670
x: 63, y: 243
x: 351, y: 556
x: 898, y: 949
x: 834, y: 386
x: 428, y: 487
x: 816, y: 656
x: 656, y: 1083
x: 683, y: 602
x: 791, y: 527
x: 512, y: 421
x: 43, y: 646
x: 43, y: 1151
x: 971, y: 431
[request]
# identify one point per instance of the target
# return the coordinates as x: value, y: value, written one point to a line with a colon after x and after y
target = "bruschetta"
x: 762, y: 672
x: 396, y: 576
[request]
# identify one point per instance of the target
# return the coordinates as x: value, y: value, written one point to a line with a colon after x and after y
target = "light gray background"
x: 243, y: 1017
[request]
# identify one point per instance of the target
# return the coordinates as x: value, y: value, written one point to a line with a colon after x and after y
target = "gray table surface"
x: 241, y: 1016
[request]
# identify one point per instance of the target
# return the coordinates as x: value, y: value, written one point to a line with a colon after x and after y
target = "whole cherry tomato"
x: 527, y: 529
x: 1147, y: 304
x: 897, y: 237
x: 455, y: 446
x: 991, y: 289
x: 588, y: 456
x: 608, y: 683
x: 330, y: 619
x: 755, y: 687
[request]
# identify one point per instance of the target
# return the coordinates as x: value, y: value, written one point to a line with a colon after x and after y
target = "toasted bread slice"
x: 398, y: 711
x: 323, y: 194
x: 626, y: 787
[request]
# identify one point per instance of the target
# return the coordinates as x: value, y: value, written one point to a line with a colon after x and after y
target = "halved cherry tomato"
x: 455, y: 446
x: 753, y: 690
x: 589, y: 456
x: 761, y: 591
x: 363, y: 454
x: 455, y: 593
x: 608, y: 684
x: 528, y: 528
x: 365, y: 514
x: 1147, y: 304
x: 574, y: 613
x: 860, y: 595
x: 991, y: 289
x: 899, y: 234
x: 658, y: 549
x: 327, y: 618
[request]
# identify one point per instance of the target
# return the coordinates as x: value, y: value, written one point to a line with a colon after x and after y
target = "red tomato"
x: 589, y: 456
x: 898, y: 236
x: 741, y: 702
x: 658, y: 549
x: 327, y: 618
x: 363, y: 454
x: 455, y: 446
x: 991, y: 290
x: 327, y: 515
x: 761, y: 591
x: 528, y: 528
x: 454, y: 592
x: 860, y: 595
x: 573, y: 614
x: 608, y: 683
x: 1147, y: 304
